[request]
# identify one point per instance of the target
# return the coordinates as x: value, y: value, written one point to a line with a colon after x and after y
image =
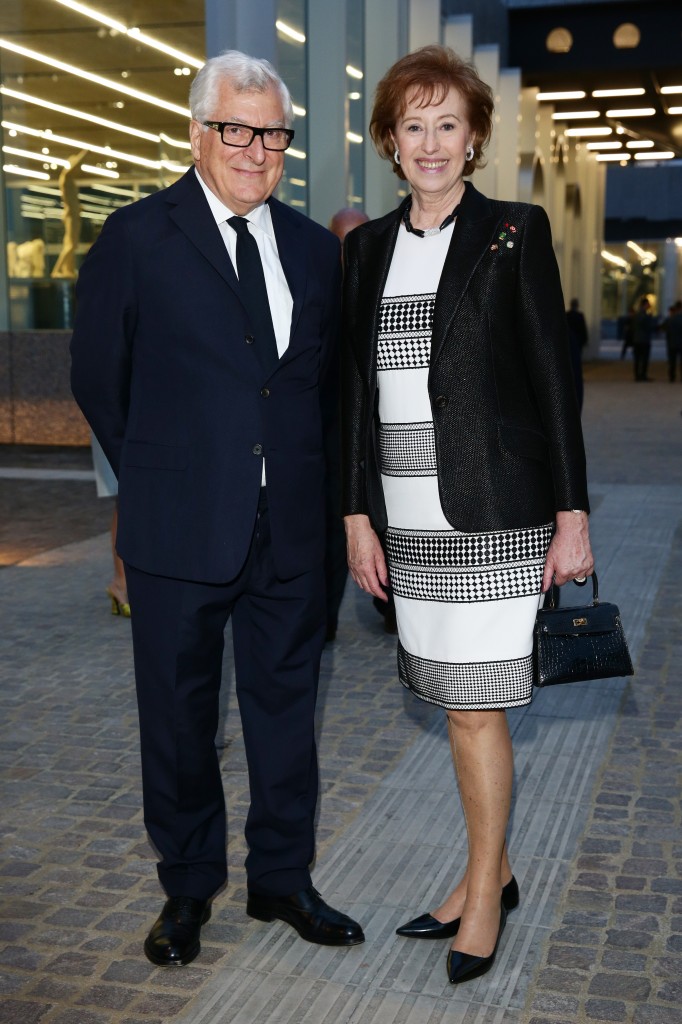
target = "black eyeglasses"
x: 242, y: 135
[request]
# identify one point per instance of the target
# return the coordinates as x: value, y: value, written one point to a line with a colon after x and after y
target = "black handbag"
x: 571, y: 645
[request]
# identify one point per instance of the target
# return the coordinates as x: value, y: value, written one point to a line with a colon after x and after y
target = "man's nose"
x: 256, y: 149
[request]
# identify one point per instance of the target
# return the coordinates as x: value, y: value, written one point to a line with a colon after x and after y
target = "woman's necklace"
x: 427, y: 232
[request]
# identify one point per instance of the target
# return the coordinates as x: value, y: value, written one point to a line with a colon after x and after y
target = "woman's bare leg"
x: 484, y: 765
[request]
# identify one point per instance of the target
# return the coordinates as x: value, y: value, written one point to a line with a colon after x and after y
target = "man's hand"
x: 569, y: 555
x: 366, y: 560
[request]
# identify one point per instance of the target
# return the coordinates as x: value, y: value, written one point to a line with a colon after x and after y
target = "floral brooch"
x: 505, y: 238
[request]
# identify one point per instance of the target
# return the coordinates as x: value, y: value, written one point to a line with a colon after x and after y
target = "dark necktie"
x: 254, y: 293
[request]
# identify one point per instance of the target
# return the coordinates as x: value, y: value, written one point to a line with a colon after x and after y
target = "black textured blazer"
x: 509, y: 446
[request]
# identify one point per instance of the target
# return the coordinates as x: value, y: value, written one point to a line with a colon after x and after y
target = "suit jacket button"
x: 441, y: 401
x: 265, y: 392
x: 257, y: 449
x: 249, y: 339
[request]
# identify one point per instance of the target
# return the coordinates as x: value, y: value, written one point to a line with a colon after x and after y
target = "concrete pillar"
x: 487, y: 61
x: 425, y: 23
x: 384, y: 31
x: 670, y: 288
x: 326, y: 110
x: 242, y: 25
x: 507, y: 127
x: 458, y: 34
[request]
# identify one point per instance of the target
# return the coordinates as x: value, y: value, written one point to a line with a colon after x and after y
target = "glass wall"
x: 356, y: 134
x: 292, y: 65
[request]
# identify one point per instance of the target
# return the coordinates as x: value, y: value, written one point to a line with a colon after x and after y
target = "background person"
x: 643, y: 327
x: 207, y: 314
x: 577, y: 340
x: 462, y: 441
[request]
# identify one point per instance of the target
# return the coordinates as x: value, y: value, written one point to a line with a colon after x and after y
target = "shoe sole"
x: 268, y: 918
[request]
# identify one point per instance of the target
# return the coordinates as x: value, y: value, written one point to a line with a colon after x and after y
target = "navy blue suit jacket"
x: 165, y: 373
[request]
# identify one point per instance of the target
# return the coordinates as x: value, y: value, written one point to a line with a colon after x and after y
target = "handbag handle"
x: 552, y: 596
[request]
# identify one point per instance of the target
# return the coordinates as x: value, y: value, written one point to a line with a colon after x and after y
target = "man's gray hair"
x: 244, y: 73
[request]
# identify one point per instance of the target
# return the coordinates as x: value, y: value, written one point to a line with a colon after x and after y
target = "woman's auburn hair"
x: 430, y: 73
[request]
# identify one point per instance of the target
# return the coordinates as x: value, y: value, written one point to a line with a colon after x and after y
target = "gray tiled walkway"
x: 596, y: 844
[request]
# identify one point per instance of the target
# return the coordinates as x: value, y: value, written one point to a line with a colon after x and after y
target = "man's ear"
x: 196, y: 130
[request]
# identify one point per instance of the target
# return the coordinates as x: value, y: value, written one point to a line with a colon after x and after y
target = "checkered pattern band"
x: 405, y: 325
x: 407, y: 449
x: 458, y: 568
x: 481, y: 686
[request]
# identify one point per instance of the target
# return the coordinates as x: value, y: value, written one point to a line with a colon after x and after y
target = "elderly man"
x: 207, y: 315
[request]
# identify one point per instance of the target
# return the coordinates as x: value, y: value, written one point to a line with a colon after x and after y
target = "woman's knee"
x: 472, y: 722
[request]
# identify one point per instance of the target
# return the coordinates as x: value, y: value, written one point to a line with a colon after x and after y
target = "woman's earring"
x: 469, y: 153
x: 396, y: 156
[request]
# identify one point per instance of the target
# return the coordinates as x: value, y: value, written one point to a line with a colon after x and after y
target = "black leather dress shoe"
x: 174, y: 938
x: 307, y: 912
x: 465, y: 967
x: 428, y: 927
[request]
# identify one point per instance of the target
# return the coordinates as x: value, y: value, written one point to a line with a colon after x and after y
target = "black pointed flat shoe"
x: 428, y: 927
x: 465, y: 967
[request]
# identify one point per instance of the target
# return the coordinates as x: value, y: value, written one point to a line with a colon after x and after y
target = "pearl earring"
x: 469, y: 153
x: 396, y: 156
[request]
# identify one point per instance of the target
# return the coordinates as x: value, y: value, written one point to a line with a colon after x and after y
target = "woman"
x: 463, y: 443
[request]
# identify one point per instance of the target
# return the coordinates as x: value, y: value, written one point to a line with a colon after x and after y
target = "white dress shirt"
x: 260, y: 226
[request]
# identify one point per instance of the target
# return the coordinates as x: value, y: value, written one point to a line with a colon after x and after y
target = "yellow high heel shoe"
x: 118, y: 607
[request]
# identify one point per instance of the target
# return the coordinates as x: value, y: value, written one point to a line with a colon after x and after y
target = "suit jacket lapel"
x: 193, y: 216
x: 472, y: 235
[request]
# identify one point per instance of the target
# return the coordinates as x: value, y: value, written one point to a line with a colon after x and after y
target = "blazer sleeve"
x: 101, y: 345
x: 544, y: 338
x: 354, y: 410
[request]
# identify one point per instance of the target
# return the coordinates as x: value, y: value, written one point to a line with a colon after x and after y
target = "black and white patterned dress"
x: 465, y: 602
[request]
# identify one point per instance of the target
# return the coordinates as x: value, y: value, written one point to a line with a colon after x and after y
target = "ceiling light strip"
x: 90, y: 118
x: 576, y: 94
x: 603, y: 93
x: 134, y: 33
x: 25, y: 172
x: 50, y: 136
x: 106, y: 83
x: 632, y: 112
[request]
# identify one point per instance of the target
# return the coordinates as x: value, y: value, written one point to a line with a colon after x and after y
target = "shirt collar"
x: 259, y: 216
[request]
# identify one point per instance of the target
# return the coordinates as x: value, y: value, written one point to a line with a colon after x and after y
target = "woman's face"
x: 432, y: 141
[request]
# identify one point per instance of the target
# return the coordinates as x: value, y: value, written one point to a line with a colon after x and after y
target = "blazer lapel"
x: 474, y: 230
x: 377, y: 242
x: 193, y: 216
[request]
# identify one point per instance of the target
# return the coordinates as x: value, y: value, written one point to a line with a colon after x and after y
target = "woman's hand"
x: 365, y: 556
x: 569, y: 555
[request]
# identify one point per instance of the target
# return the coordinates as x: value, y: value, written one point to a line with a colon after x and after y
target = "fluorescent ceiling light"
x: 576, y: 95
x: 298, y: 181
x: 112, y: 154
x: 649, y: 155
x: 299, y: 111
x: 71, y: 69
x: 605, y: 145
x: 354, y: 137
x: 298, y: 154
x: 668, y: 90
x: 178, y: 143
x: 135, y: 33
x: 640, y: 144
x: 632, y: 112
x: 586, y: 132
x: 25, y: 172
x: 354, y: 72
x: 601, y: 93
x: 644, y: 254
x: 674, y: 110
x: 72, y: 112
x: 40, y: 157
x: 604, y: 157
x: 289, y: 32
x: 127, y: 192
x: 617, y: 260
x: 104, y: 171
x: 564, y: 115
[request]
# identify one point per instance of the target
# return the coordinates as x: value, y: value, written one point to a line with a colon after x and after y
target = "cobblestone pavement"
x: 599, y: 853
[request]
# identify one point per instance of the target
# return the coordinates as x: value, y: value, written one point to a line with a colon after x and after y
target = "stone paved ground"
x: 76, y: 873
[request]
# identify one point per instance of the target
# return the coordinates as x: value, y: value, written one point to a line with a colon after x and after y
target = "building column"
x: 425, y: 23
x: 458, y: 34
x: 384, y: 34
x: 242, y: 25
x: 326, y: 111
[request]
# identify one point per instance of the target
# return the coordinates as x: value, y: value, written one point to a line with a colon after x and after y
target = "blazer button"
x: 265, y: 392
x: 441, y: 401
x: 249, y: 339
x: 257, y: 449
